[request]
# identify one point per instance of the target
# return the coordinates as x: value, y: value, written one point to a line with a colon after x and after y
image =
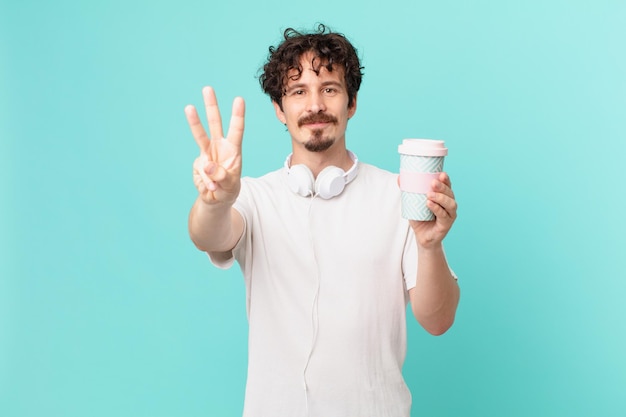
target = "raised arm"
x: 435, y: 297
x: 214, y: 226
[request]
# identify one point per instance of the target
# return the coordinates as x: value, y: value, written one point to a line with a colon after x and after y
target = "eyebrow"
x: 324, y: 84
x: 333, y: 83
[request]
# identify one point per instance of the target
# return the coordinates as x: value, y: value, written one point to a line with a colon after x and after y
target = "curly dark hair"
x: 330, y: 49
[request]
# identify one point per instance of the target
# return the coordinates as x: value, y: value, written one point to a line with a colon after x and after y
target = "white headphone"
x: 329, y: 183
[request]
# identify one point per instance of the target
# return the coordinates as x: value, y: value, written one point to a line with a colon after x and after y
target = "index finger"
x: 212, y: 113
x: 197, y: 130
x: 445, y: 178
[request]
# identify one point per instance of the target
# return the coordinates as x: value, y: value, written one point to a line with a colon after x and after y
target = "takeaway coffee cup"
x: 421, y: 161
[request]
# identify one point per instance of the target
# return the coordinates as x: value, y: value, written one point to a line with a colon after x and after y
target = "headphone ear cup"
x: 330, y: 182
x: 300, y: 180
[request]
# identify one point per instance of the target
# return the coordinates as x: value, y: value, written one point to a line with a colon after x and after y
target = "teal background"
x: 107, y: 309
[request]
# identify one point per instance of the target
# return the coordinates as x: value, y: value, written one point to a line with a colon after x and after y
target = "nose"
x: 316, y: 103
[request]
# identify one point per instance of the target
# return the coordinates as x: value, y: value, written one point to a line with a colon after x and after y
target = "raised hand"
x: 442, y: 203
x: 217, y: 171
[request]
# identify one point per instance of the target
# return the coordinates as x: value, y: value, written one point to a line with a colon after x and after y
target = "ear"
x: 352, y: 108
x: 279, y: 113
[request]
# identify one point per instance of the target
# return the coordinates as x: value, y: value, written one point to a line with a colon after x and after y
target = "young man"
x: 329, y: 263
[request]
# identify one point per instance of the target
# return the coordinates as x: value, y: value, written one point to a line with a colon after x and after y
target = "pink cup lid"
x: 422, y: 147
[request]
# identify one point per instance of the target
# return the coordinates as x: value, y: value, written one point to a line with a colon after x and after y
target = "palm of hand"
x: 221, y: 157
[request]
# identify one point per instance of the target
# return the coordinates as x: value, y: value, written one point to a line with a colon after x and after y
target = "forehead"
x: 312, y: 69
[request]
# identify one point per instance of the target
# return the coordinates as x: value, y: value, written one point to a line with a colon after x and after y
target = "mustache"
x: 317, y: 118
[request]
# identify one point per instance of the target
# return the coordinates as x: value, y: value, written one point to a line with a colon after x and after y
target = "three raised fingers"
x: 214, y: 119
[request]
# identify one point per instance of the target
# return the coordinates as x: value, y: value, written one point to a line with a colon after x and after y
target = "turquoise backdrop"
x: 107, y: 309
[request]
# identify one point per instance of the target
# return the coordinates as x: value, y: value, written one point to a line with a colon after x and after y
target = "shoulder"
x: 269, y: 180
x: 266, y: 189
x: 373, y: 176
x: 374, y: 171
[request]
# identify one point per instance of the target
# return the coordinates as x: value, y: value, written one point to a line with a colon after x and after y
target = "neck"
x: 317, y: 161
x: 337, y: 155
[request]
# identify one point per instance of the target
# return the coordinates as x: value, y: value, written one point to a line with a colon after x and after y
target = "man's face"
x: 315, y: 107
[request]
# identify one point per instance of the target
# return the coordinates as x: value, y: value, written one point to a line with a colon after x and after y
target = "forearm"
x: 214, y: 227
x: 435, y: 297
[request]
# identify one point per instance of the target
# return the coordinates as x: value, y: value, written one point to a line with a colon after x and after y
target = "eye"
x: 331, y: 91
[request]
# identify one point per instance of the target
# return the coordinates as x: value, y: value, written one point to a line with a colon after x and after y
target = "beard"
x: 317, y: 142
